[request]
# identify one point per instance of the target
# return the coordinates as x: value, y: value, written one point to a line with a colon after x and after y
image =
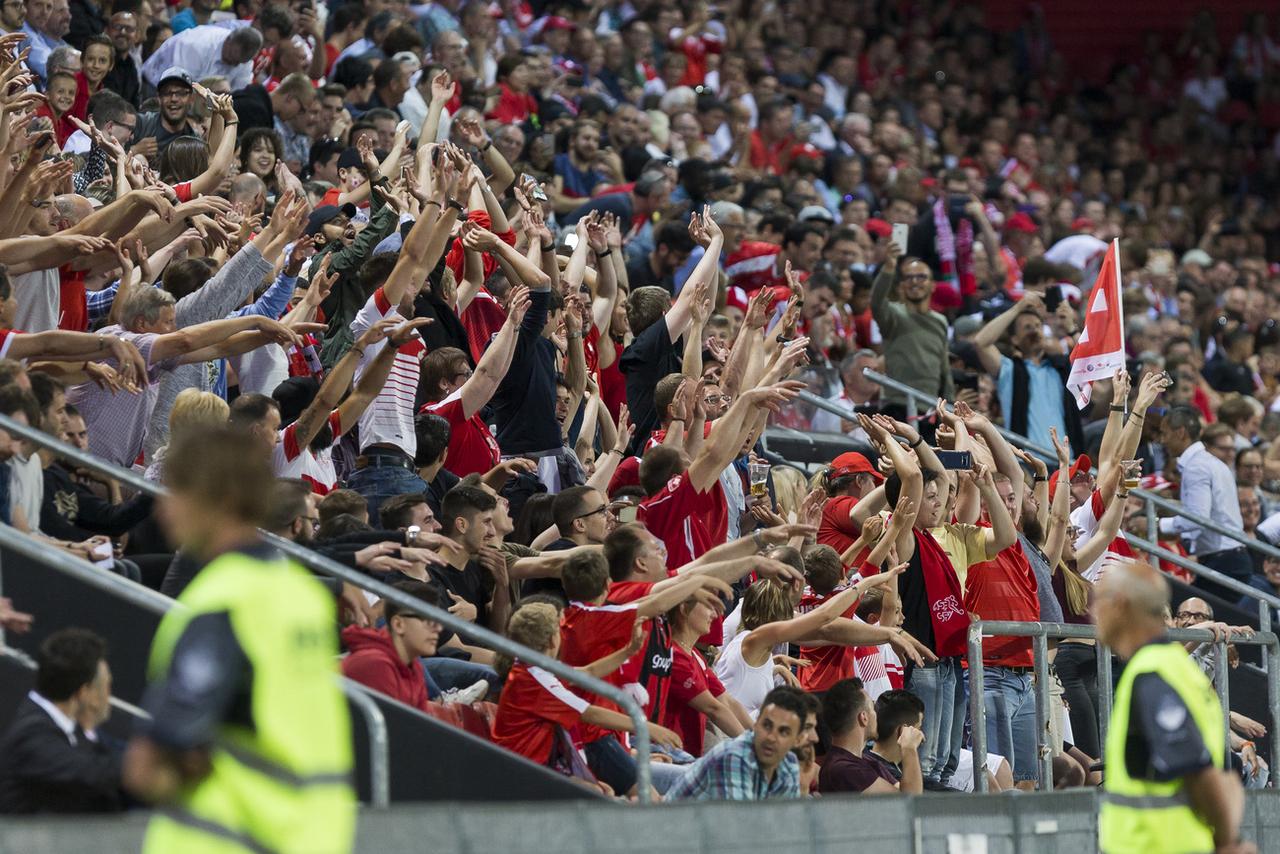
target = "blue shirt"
x: 577, y: 182
x: 1044, y: 398
x: 730, y: 772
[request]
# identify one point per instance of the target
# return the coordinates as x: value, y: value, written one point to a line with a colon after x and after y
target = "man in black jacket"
x: 51, y: 759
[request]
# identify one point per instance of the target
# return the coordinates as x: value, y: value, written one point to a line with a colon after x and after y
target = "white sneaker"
x: 468, y: 695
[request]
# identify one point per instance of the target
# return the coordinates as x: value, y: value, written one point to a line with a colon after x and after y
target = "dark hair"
x: 463, y: 502
x: 534, y: 518
x: 841, y: 705
x: 622, y: 547
x: 377, y: 113
x: 352, y: 72
x: 893, y: 484
x: 345, y: 15
x: 340, y: 501
x: 106, y: 106
x: 15, y: 399
x: 184, y: 158
x: 418, y: 590
x: 323, y: 150
x: 675, y: 236
x: 67, y: 661
x: 797, y: 232
x: 440, y: 365
x: 585, y: 576
x: 871, y: 604
x: 896, y: 709
x: 665, y: 392
x: 788, y: 699
x: 187, y: 276
x: 645, y: 306
x: 288, y: 503
x: 432, y: 432
x: 822, y: 568
x: 249, y: 409
x: 397, y: 511
x: 399, y: 38
x: 569, y: 505
x: 341, y: 525
x: 1184, y: 417
x: 375, y: 271
x: 771, y: 108
x: 658, y: 465
x: 508, y: 64
x: 251, y: 137
x: 380, y: 21
x: 278, y: 17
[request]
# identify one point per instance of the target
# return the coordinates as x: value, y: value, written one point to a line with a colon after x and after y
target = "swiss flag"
x: 1099, y: 353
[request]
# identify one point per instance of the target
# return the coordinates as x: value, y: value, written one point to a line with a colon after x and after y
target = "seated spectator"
x: 52, y: 759
x: 852, y: 767
x: 386, y: 659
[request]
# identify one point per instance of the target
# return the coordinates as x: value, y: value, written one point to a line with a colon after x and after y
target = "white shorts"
x: 962, y: 779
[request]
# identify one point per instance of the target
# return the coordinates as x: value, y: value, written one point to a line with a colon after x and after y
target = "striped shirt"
x: 291, y: 460
x: 389, y: 419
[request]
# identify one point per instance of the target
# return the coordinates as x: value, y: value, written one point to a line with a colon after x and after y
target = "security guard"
x: 1166, y: 791
x: 249, y: 744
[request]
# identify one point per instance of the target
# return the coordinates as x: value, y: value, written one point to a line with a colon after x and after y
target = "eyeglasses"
x: 1193, y: 615
x: 718, y: 398
x: 1225, y: 449
x: 917, y: 277
x: 603, y: 508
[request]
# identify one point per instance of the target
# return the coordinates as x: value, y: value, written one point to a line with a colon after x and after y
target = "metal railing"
x: 1040, y: 633
x: 325, y: 566
x: 1151, y: 499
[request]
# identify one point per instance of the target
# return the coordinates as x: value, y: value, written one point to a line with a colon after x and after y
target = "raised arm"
x: 222, y: 156
x: 989, y: 336
x: 1059, y: 513
x: 1108, y: 528
x: 770, y: 635
x: 707, y: 234
x: 728, y: 434
x: 601, y: 236
x: 480, y: 387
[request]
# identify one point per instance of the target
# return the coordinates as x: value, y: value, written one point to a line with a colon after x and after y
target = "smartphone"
x: 899, y: 238
x: 955, y: 460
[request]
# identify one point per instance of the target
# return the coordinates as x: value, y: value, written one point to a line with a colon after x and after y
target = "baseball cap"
x: 324, y: 214
x: 1198, y: 257
x: 1082, y: 465
x: 878, y: 227
x: 815, y: 213
x: 852, y: 462
x: 174, y: 72
x: 558, y: 22
x: 1021, y: 222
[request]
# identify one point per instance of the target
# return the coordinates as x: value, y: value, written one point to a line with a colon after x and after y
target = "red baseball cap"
x: 558, y: 22
x: 1082, y: 223
x: 878, y: 227
x: 1082, y: 465
x: 1021, y: 222
x: 852, y: 462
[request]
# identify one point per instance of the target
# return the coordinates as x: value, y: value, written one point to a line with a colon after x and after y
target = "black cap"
x: 294, y: 395
x: 350, y: 158
x: 325, y: 213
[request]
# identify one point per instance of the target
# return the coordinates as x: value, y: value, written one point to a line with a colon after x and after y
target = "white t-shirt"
x: 39, y: 296
x: 261, y: 370
x: 389, y: 419
x: 1078, y: 250
x: 748, y: 685
x: 291, y: 460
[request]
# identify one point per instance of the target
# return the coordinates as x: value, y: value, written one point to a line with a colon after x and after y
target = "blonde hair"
x: 195, y: 410
x: 765, y: 602
x: 534, y: 625
x: 1077, y: 588
x: 789, y: 488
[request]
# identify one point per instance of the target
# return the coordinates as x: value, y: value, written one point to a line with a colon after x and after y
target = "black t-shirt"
x: 917, y: 618
x: 550, y: 586
x: 639, y: 274
x: 1164, y: 742
x: 524, y: 405
x: 651, y: 356
x: 444, y: 481
x: 253, y: 108
x: 473, y: 583
x: 843, y: 771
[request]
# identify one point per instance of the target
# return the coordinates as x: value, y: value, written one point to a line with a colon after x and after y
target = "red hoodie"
x: 374, y: 662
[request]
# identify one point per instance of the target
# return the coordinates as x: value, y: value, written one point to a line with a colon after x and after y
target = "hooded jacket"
x: 373, y: 662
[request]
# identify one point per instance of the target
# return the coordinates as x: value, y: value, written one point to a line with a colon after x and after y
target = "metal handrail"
x: 1040, y: 634
x: 327, y: 566
x: 1151, y: 498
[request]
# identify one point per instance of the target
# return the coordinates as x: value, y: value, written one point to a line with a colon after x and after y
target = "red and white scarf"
x: 955, y: 250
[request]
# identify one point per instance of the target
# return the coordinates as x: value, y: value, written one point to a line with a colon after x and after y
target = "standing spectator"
x: 207, y: 51
x: 1208, y: 489
x: 171, y: 120
x: 51, y: 758
x: 915, y: 336
x: 124, y: 78
x: 757, y: 765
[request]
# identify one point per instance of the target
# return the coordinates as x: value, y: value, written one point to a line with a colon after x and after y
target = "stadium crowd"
x: 496, y: 300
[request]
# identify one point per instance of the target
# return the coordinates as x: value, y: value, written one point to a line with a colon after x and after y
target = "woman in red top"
x: 515, y: 104
x: 696, y: 693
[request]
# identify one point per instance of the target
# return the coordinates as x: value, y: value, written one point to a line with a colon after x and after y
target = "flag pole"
x: 1115, y: 243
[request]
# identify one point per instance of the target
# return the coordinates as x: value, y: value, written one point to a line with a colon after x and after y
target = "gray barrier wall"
x: 1056, y: 823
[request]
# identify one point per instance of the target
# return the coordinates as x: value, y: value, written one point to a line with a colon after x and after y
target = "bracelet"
x: 605, y: 254
x: 488, y: 145
x: 572, y: 336
x: 674, y: 420
x: 457, y: 206
x: 1039, y: 478
x: 1117, y: 408
x: 1245, y: 744
x: 548, y: 247
x: 919, y: 440
x: 435, y: 202
x: 228, y: 124
x: 358, y: 351
x: 758, y: 540
x: 621, y: 453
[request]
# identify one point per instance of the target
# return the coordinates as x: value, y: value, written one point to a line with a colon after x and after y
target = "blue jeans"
x: 938, y: 687
x: 613, y: 764
x: 378, y: 483
x: 443, y: 673
x: 1010, y: 701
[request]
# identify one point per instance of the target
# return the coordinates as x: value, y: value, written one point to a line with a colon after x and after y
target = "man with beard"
x: 944, y: 237
x: 174, y: 91
x: 915, y: 336
x: 1031, y: 383
x: 123, y: 78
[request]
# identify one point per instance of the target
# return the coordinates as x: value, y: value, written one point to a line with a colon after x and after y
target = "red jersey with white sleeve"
x: 690, y: 677
x: 291, y: 460
x: 754, y: 266
x: 1085, y: 517
x: 680, y: 516
x: 389, y: 419
x: 6, y: 341
x: 651, y: 667
x: 472, y: 448
x: 589, y: 633
x: 533, y: 703
x: 830, y: 663
x: 871, y: 667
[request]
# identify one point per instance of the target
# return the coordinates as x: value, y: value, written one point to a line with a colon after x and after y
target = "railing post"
x: 1153, y: 524
x: 1264, y: 625
x: 1273, y: 700
x: 1222, y: 685
x: 1040, y: 656
x: 977, y: 708
x: 376, y: 725
x: 1104, y: 692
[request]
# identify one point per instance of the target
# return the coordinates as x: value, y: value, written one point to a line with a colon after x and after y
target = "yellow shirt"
x: 964, y: 544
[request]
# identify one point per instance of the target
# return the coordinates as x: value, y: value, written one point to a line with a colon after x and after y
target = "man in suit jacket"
x: 51, y: 759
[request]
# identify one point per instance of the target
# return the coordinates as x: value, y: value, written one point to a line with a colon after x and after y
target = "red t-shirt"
x: 830, y: 663
x: 679, y: 515
x: 1004, y: 589
x: 836, y: 528
x: 513, y: 107
x: 690, y: 677
x: 651, y: 667
x: 589, y: 633
x: 626, y: 474
x: 533, y: 703
x: 6, y: 339
x: 73, y: 301
x: 472, y: 448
